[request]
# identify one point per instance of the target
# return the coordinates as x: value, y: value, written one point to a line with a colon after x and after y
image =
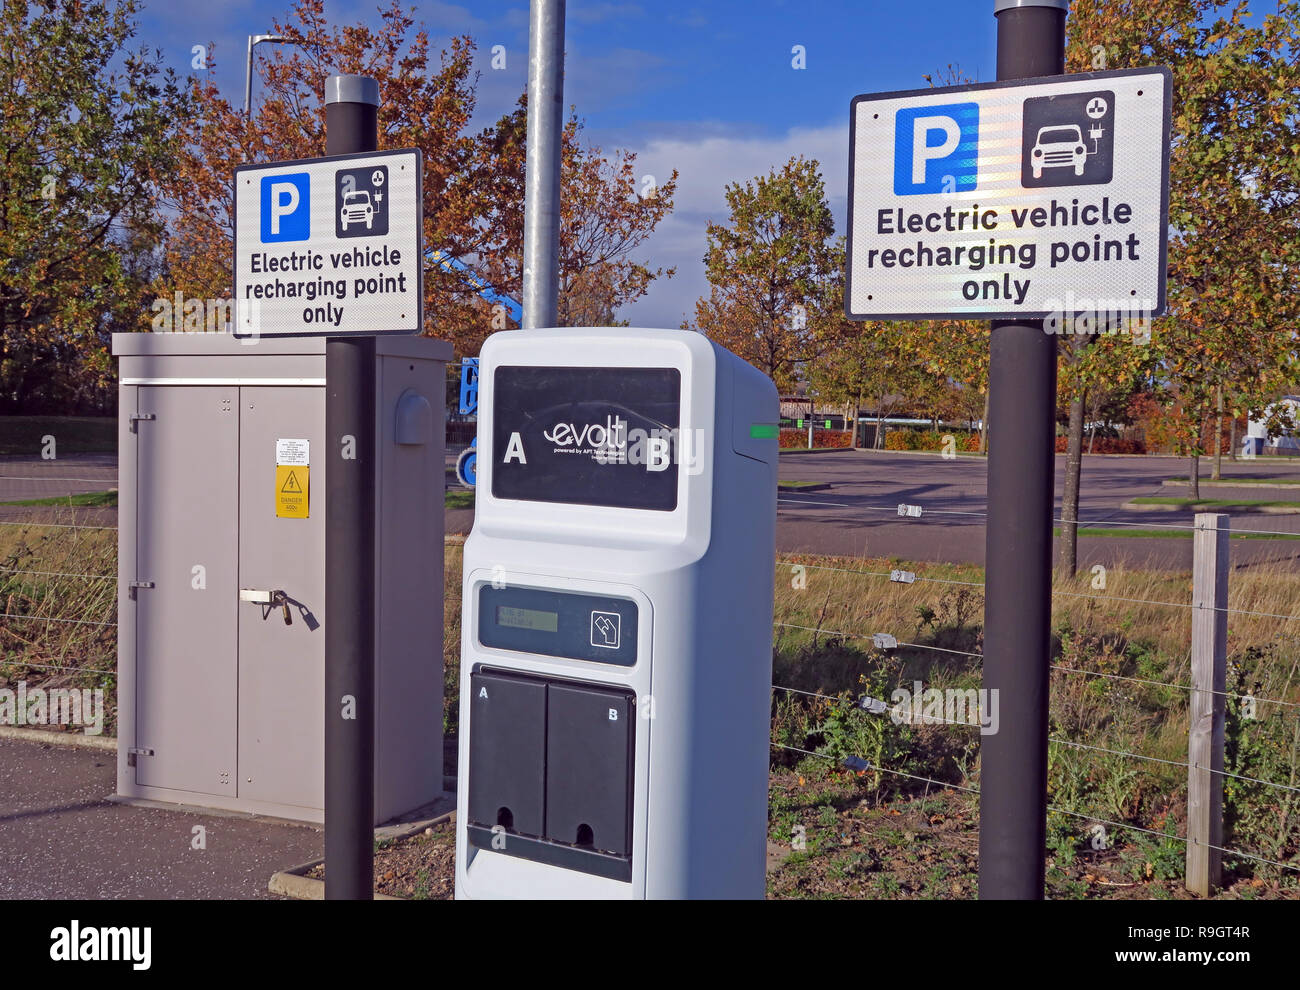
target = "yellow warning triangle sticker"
x: 291, y: 484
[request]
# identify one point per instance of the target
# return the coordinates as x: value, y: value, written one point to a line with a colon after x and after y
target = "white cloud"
x: 706, y: 163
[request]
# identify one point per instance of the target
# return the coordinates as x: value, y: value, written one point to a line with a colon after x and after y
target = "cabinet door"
x: 282, y: 667
x: 187, y: 484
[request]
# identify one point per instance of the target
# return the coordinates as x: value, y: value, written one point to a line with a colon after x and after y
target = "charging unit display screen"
x: 587, y: 436
x: 528, y: 618
x: 558, y: 624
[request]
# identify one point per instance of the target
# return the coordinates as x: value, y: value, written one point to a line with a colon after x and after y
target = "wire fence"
x: 19, y: 654
x: 856, y: 763
x: 1274, y: 793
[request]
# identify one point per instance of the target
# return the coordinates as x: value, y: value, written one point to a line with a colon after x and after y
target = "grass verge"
x: 1228, y: 482
x: 906, y: 825
x: 459, y: 498
x: 1190, y: 503
x: 1168, y: 534
x: 72, y: 501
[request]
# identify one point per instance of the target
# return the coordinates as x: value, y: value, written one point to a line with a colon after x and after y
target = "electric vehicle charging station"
x: 617, y: 616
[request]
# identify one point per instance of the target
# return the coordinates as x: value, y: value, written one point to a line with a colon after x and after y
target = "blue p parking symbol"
x: 936, y: 149
x: 286, y: 207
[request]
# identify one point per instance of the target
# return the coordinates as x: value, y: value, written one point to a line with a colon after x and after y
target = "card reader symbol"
x: 605, y: 629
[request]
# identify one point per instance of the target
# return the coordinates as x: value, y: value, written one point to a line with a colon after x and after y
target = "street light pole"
x: 542, y: 168
x: 253, y: 41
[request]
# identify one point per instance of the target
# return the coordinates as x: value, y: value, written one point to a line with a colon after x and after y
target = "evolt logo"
x: 286, y: 207
x: 612, y: 434
x: 935, y: 149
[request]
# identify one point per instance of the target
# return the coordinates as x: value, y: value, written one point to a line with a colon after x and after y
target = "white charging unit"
x: 616, y: 637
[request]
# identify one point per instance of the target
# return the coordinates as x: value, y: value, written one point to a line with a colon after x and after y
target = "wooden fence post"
x: 1206, y: 730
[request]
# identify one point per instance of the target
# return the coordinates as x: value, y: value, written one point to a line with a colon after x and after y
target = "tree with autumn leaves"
x: 117, y: 179
x: 1230, y: 340
x: 606, y: 212
x: 473, y: 183
x: 776, y: 298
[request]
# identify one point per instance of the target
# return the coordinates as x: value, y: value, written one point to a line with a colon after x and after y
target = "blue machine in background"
x: 467, y: 275
x: 466, y: 464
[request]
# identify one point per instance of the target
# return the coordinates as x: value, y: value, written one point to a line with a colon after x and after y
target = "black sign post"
x: 351, y: 126
x: 1018, y: 558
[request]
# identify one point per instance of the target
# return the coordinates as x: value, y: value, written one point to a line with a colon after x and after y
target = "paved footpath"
x: 61, y: 838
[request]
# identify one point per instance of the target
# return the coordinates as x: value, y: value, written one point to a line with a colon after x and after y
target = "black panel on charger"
x: 557, y: 754
x: 589, y: 767
x: 507, y: 752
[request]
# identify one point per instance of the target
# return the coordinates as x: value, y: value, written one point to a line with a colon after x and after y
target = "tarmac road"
x: 25, y: 477
x: 30, y: 477
x: 858, y: 514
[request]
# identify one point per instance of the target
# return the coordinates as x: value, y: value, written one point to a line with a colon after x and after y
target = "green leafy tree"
x: 865, y: 362
x: 1234, y: 269
x: 953, y: 358
x: 1233, y: 241
x: 773, y: 270
x: 88, y: 128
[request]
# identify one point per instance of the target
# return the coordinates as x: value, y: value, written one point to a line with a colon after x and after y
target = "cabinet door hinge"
x: 136, y: 417
x: 135, y: 751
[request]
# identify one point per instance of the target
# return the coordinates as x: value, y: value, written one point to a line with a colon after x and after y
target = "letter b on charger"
x: 286, y: 207
x: 936, y: 149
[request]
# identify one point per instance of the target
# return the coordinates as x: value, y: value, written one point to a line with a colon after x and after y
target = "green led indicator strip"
x: 764, y: 431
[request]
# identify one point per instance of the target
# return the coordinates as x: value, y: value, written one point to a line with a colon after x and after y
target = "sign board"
x: 1034, y: 199
x: 292, y: 452
x: 292, y: 478
x: 328, y: 247
x: 291, y: 491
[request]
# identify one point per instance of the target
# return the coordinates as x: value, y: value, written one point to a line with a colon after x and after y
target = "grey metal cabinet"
x: 220, y: 700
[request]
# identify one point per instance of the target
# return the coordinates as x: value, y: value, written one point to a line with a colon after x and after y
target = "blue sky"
x: 707, y: 88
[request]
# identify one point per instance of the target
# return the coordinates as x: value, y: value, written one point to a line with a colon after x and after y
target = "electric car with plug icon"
x: 1059, y: 146
x: 357, y: 208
